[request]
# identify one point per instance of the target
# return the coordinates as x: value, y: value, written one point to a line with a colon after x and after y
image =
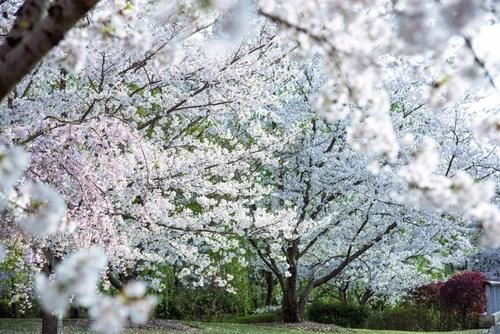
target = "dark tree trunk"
x: 51, y: 324
x: 13, y: 306
x: 343, y: 296
x: 74, y: 312
x: 13, y: 310
x: 289, y: 305
x: 304, y: 297
x: 270, y: 287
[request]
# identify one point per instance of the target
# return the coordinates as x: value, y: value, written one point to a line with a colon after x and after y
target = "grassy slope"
x: 228, y: 328
x: 225, y: 328
x: 376, y: 331
x: 28, y: 326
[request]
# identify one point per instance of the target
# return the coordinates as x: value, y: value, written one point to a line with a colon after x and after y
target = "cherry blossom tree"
x: 144, y: 182
x: 333, y: 210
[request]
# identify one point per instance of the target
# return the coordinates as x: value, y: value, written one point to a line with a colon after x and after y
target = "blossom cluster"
x: 460, y: 194
x: 39, y: 210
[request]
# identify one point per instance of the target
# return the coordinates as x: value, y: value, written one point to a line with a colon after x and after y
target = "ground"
x: 32, y: 326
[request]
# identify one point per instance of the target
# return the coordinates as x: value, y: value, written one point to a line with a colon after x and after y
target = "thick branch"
x: 61, y: 17
x: 348, y: 259
x: 480, y: 62
x: 115, y: 281
x: 268, y: 262
x: 28, y: 16
x: 351, y: 258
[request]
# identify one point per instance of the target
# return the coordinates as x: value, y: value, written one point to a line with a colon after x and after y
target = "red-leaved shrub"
x: 459, y: 300
x: 464, y: 294
x: 428, y: 295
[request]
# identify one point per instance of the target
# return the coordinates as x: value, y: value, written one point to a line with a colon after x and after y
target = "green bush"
x: 5, y: 309
x: 344, y: 315
x: 405, y: 318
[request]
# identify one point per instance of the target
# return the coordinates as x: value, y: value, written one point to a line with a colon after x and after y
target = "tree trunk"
x: 289, y: 304
x: 270, y: 287
x: 343, y: 296
x: 51, y: 324
x: 74, y: 312
x: 304, y: 297
x: 13, y: 306
x: 13, y: 310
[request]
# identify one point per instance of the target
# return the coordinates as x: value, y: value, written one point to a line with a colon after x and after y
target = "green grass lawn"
x: 228, y: 328
x: 377, y: 331
x: 225, y: 328
x: 33, y: 326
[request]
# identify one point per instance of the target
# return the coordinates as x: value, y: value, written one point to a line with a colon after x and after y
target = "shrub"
x: 339, y: 314
x: 405, y: 318
x: 457, y: 302
x: 427, y: 295
x: 464, y: 295
x: 5, y: 309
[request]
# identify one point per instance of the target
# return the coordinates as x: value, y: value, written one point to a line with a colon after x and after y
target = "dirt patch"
x: 310, y: 326
x: 155, y: 324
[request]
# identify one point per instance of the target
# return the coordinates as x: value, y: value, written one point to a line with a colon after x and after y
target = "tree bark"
x: 270, y: 287
x: 13, y: 306
x: 289, y: 305
x: 343, y: 296
x: 74, y: 312
x: 27, y: 17
x: 51, y: 324
x: 304, y: 297
x: 19, y: 59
